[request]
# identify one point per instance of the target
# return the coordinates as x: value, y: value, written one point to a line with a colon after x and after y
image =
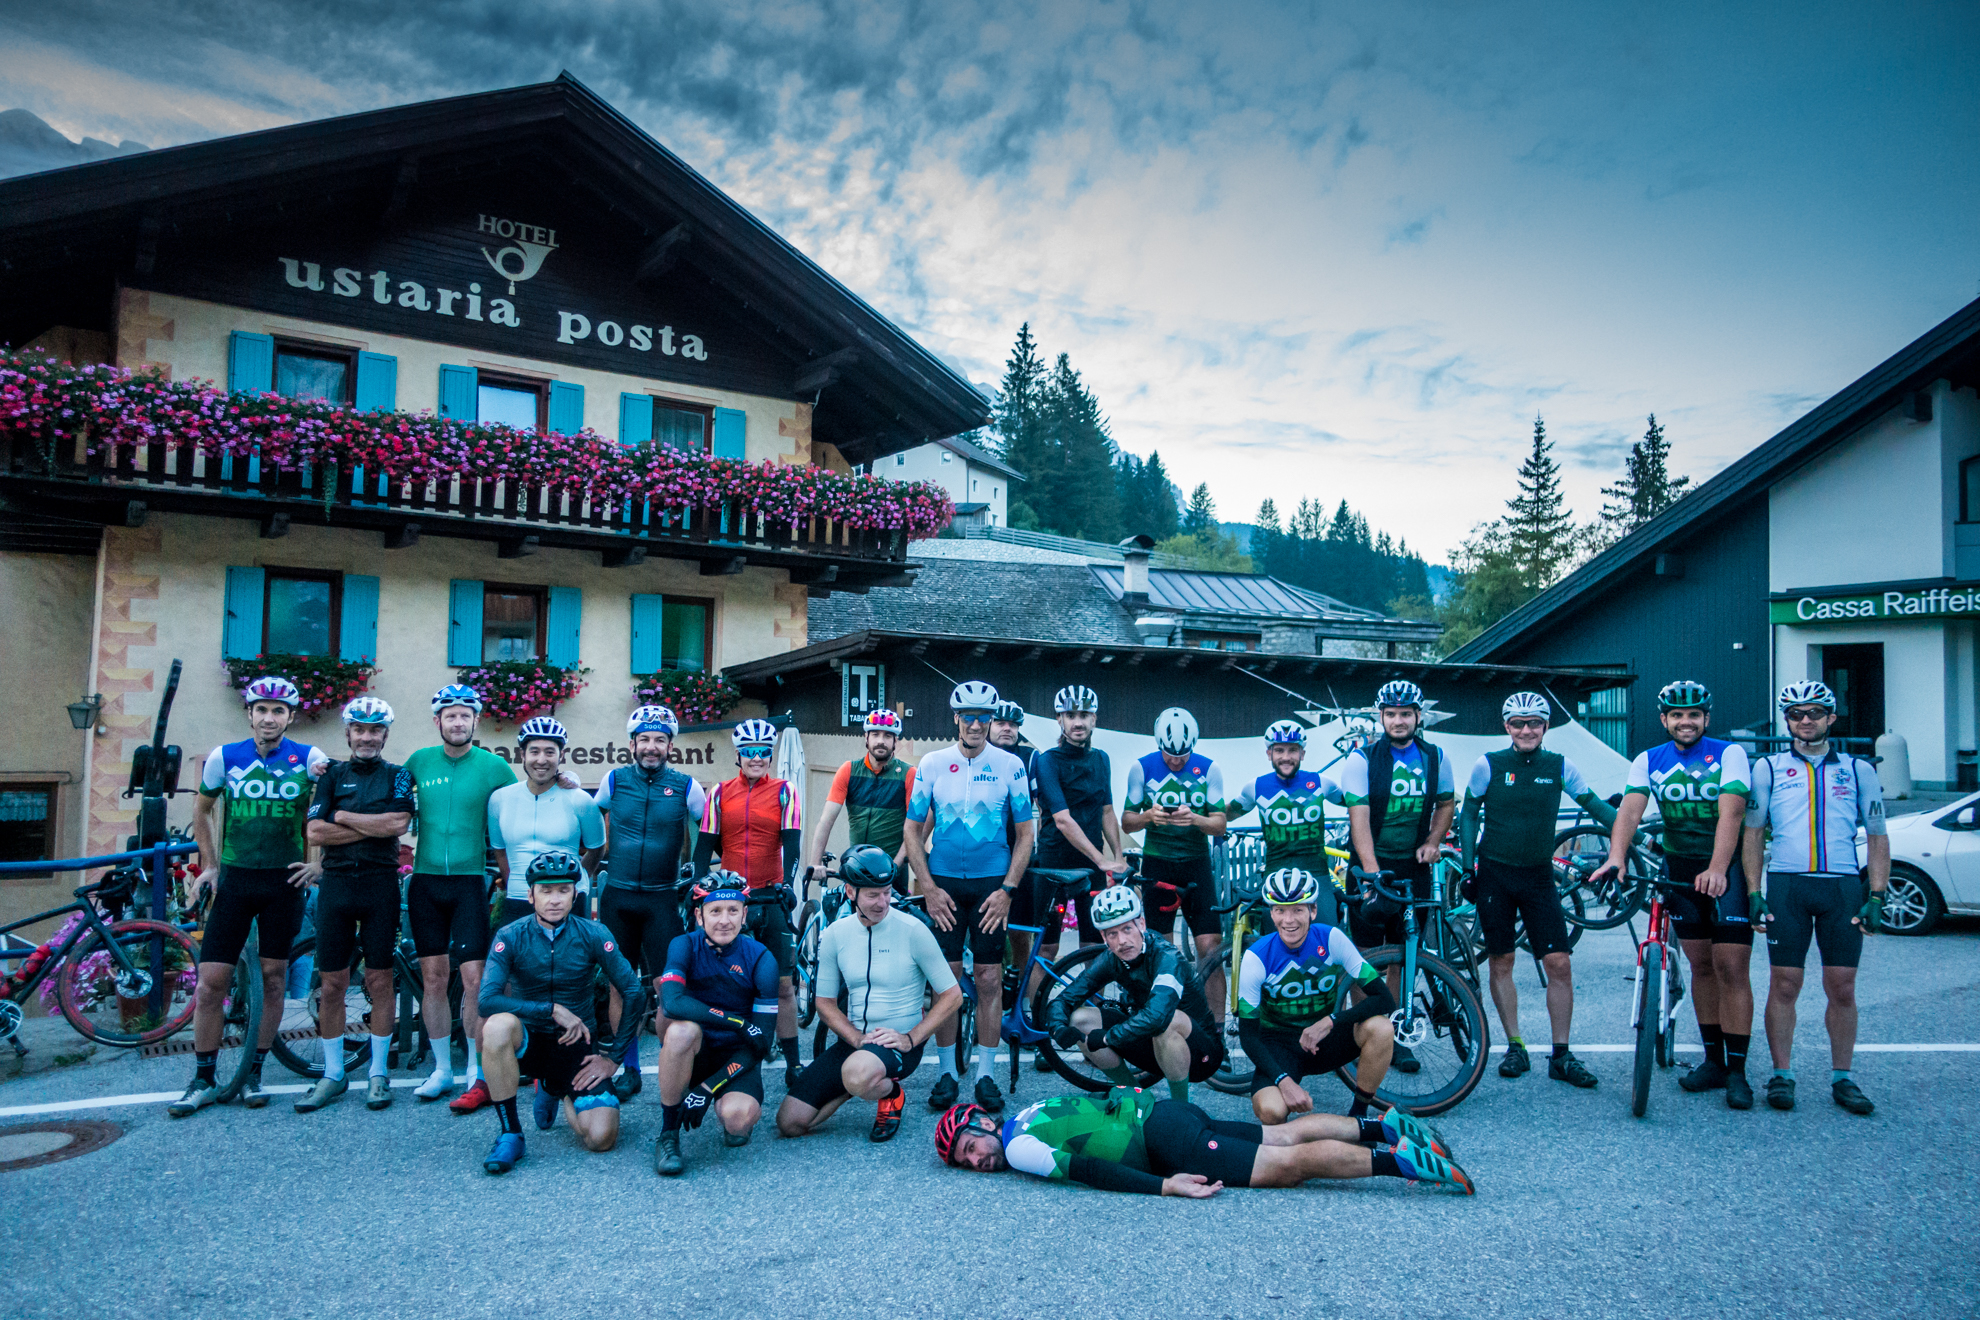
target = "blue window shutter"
x: 635, y: 419
x: 646, y: 633
x: 566, y: 407
x: 377, y: 382
x: 251, y: 362
x: 458, y: 399
x: 357, y: 623
x: 562, y: 627
x: 729, y: 432
x: 241, y: 637
x: 464, y: 622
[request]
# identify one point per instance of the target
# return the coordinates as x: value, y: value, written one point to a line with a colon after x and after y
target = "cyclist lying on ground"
x: 1129, y: 1141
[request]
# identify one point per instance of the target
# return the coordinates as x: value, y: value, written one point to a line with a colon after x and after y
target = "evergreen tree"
x: 1080, y: 498
x: 1268, y: 519
x: 1147, y: 502
x: 1539, y: 530
x: 1646, y: 489
x: 1018, y: 416
x: 1201, y: 516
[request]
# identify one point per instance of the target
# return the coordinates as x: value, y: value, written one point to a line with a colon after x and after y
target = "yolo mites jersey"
x: 1291, y: 989
x: 267, y: 799
x: 1292, y: 816
x: 1044, y: 1138
x: 1199, y: 785
x: 1686, y: 784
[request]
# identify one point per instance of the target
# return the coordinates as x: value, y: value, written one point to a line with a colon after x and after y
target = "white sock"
x: 380, y: 1047
x: 985, y: 1057
x: 945, y: 1056
x: 443, y: 1071
x: 474, y: 1061
x: 333, y: 1059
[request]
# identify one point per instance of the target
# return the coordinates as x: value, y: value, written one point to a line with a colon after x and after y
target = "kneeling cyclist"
x: 537, y: 1014
x: 1170, y: 1029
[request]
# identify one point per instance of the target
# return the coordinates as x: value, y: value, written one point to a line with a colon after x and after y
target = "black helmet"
x: 866, y: 867
x: 555, y: 867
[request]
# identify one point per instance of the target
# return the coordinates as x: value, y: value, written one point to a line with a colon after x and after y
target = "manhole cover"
x: 25, y: 1145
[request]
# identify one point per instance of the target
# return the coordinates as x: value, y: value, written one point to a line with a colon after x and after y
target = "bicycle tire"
x: 1453, y: 1013
x: 308, y: 1060
x: 242, y: 1021
x: 1604, y: 906
x: 1233, y: 1078
x: 966, y: 1045
x: 1649, y: 1019
x: 1076, y: 1070
x: 82, y: 990
x: 804, y: 985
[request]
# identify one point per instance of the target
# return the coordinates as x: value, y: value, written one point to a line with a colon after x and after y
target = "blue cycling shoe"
x: 507, y: 1150
x: 545, y: 1109
x: 1398, y: 1127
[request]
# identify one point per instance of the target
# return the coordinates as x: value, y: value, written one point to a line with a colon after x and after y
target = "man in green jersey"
x: 1292, y: 811
x: 447, y: 897
x: 1177, y: 796
x: 1511, y: 813
x: 1130, y: 1141
x: 873, y: 792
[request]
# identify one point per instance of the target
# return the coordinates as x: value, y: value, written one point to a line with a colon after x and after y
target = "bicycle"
x: 1659, y: 990
x: 1588, y: 903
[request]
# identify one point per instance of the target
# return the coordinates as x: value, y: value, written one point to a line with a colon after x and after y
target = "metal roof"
x: 1251, y: 595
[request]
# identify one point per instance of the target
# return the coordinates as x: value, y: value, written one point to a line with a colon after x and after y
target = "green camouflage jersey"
x: 1045, y: 1138
x: 1199, y: 785
x: 1686, y: 784
x: 267, y: 798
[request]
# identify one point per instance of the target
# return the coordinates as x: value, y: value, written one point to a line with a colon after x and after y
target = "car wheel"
x: 1912, y: 905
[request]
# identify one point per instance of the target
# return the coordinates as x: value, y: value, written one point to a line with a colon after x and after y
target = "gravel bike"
x: 1605, y: 902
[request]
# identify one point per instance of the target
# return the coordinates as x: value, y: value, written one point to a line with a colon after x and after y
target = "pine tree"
x: 1268, y: 518
x: 1200, y: 518
x: 1646, y: 489
x: 1159, y: 500
x: 1018, y: 417
x: 1079, y: 497
x: 1539, y: 529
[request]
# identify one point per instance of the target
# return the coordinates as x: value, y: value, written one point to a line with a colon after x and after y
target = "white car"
x: 1935, y: 865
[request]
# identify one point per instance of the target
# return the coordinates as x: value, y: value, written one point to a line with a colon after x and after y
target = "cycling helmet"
x: 718, y: 886
x: 543, y: 726
x: 1401, y: 692
x: 1008, y: 711
x: 1290, y: 886
x: 1175, y: 731
x: 457, y: 694
x: 881, y: 721
x: 555, y: 867
x: 754, y: 733
x: 952, y: 1124
x: 271, y: 688
x: 652, y: 719
x: 1807, y: 693
x: 973, y: 695
x: 368, y: 710
x: 1286, y: 731
x: 866, y: 867
x: 1115, y: 905
x: 1526, y: 705
x: 1685, y: 694
x: 1075, y: 699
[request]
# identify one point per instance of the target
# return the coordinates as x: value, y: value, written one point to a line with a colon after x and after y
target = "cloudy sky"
x: 1340, y: 250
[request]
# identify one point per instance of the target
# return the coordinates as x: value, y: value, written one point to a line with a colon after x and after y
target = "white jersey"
x: 883, y: 969
x: 1815, y: 809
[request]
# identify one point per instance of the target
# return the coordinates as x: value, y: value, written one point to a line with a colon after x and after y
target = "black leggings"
x: 1181, y: 1138
x: 644, y: 922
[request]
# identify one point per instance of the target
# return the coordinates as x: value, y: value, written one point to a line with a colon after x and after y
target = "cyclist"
x: 1177, y: 796
x: 1074, y: 787
x: 1815, y: 797
x: 1129, y: 1141
x: 755, y: 821
x: 361, y: 808
x: 1007, y: 732
x: 1517, y: 791
x: 968, y: 848
x: 720, y: 987
x: 1291, y: 993
x: 650, y: 811
x: 1292, y: 811
x: 1701, y: 789
x: 262, y: 863
x: 885, y: 962
x: 447, y: 897
x: 1400, y: 798
x: 536, y: 1003
x: 1164, y: 1026
x: 540, y: 815
x: 873, y: 792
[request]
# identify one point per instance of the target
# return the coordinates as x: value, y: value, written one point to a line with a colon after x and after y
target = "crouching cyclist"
x: 1129, y: 1141
x: 537, y: 1015
x: 1169, y: 1028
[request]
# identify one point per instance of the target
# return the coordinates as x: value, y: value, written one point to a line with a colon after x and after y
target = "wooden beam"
x: 1182, y: 661
x: 403, y: 537
x: 815, y: 576
x: 516, y: 547
x: 630, y: 556
x: 1137, y: 658
x: 919, y: 649
x: 816, y: 374
x: 661, y: 254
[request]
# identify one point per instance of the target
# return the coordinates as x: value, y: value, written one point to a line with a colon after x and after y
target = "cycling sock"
x: 1560, y: 1049
x: 380, y: 1048
x: 985, y: 1060
x: 670, y: 1118
x: 204, y: 1064
x: 1736, y: 1051
x: 1838, y: 1075
x: 1516, y: 1040
x: 1784, y: 1072
x: 1371, y: 1131
x: 474, y: 1061
x: 260, y: 1057
x: 1715, y: 1042
x: 945, y: 1055
x: 1359, y: 1109
x: 505, y: 1111
x: 632, y: 1054
x: 1179, y: 1090
x: 333, y: 1060
x: 1382, y: 1164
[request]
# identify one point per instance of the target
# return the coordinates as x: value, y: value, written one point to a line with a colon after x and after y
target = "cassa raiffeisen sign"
x: 1861, y: 606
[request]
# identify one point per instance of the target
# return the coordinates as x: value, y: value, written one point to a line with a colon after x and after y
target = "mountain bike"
x: 1659, y: 991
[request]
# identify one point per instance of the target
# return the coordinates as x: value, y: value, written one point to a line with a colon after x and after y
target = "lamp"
x: 82, y: 713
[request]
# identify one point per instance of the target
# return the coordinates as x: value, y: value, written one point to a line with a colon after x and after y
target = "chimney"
x: 1155, y: 630
x: 1134, y: 566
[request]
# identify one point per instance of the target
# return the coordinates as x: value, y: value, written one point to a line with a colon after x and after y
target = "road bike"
x: 1603, y: 902
x: 1659, y: 990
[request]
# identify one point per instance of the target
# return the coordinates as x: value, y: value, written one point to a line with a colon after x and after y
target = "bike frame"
x: 1657, y: 934
x: 93, y: 920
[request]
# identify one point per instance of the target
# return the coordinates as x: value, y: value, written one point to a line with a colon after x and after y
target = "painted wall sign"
x: 1856, y: 607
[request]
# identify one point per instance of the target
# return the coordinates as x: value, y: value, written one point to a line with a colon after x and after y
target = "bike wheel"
x: 298, y: 1044
x: 1237, y: 1074
x: 1578, y: 854
x: 1072, y: 1064
x: 804, y: 985
x: 114, y: 1007
x: 241, y: 1023
x: 1649, y: 1024
x: 1443, y: 1023
x: 966, y: 1045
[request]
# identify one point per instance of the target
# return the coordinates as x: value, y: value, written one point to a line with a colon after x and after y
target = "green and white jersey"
x: 1396, y: 832
x: 1043, y: 1139
x: 1686, y: 783
x: 267, y: 800
x: 1199, y: 785
x: 1291, y: 989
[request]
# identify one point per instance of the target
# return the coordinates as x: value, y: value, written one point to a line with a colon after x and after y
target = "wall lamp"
x: 83, y: 713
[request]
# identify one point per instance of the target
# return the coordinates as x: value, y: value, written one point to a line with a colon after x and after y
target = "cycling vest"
x: 1522, y: 806
x: 748, y: 820
x: 876, y: 804
x: 649, y: 813
x: 1389, y: 831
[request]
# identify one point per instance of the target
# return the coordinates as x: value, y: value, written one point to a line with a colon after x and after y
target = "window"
x: 27, y: 822
x: 684, y: 635
x: 305, y: 371
x: 299, y: 612
x: 517, y: 403
x: 1220, y: 641
x: 1969, y: 490
x: 512, y: 622
x: 682, y: 425
x: 900, y: 459
x: 947, y: 457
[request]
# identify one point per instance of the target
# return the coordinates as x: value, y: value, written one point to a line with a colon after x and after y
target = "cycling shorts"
x: 1180, y: 1138
x: 985, y: 947
x: 356, y: 912
x: 1510, y: 895
x: 644, y: 923
x: 1206, y: 1047
x: 448, y: 915
x: 711, y: 1059
x: 245, y: 895
x: 511, y: 909
x: 555, y: 1064
x: 821, y: 1082
x: 1368, y: 934
x: 1696, y: 916
x: 1338, y: 1048
x: 1823, y: 907
x: 1194, y: 902
x: 769, y: 925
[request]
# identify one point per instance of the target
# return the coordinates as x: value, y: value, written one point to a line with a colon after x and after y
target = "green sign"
x: 1928, y: 603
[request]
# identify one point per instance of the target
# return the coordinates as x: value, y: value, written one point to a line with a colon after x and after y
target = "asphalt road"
x: 1694, y: 1211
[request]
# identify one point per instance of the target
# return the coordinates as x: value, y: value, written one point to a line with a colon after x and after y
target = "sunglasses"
x: 1526, y: 724
x: 1800, y: 713
x: 970, y: 718
x: 757, y: 753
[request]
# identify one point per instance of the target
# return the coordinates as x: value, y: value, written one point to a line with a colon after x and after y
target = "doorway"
x: 1855, y: 673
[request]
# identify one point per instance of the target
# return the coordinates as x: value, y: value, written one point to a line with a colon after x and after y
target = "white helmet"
x: 1114, y: 906
x: 1075, y: 698
x: 652, y: 719
x: 1175, y: 731
x: 973, y: 695
x: 753, y: 733
x: 543, y: 726
x: 1526, y: 705
x: 272, y: 688
x: 368, y: 710
x: 1807, y: 693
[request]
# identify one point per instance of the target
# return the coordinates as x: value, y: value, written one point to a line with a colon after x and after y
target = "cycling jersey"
x: 533, y: 968
x: 1520, y: 793
x: 745, y: 820
x: 450, y: 827
x: 709, y: 983
x: 1686, y: 784
x: 1199, y: 785
x: 883, y: 968
x: 267, y: 798
x: 526, y: 825
x: 973, y: 801
x: 876, y: 801
x: 373, y: 787
x: 1155, y: 986
x: 1407, y: 800
x: 1080, y: 782
x: 1292, y: 816
x: 1291, y: 989
x: 652, y: 812
x: 1057, y: 1138
x: 1815, y: 809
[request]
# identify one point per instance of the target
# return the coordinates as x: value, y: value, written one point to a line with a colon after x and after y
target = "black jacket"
x: 1156, y: 984
x: 528, y: 972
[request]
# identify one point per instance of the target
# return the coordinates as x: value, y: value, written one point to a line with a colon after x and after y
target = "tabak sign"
x: 1857, y: 607
x: 515, y: 252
